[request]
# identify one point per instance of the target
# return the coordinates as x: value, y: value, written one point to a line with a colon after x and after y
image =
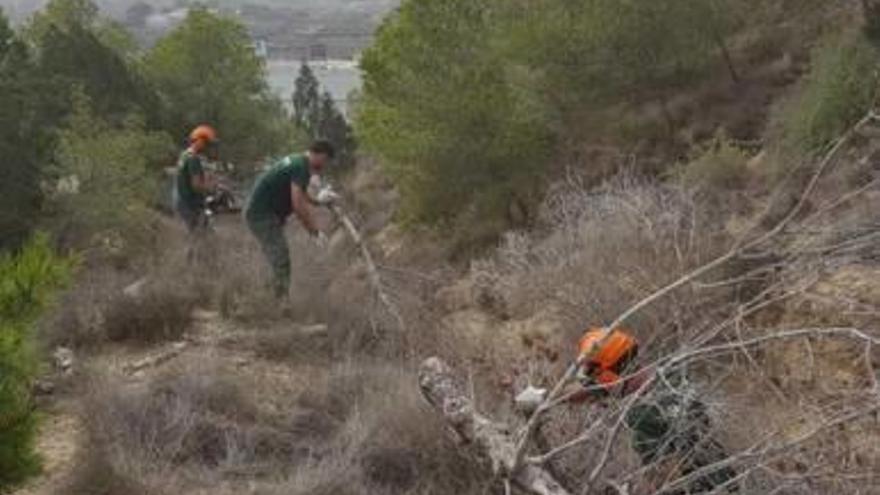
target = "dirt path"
x: 59, y: 438
x: 61, y: 432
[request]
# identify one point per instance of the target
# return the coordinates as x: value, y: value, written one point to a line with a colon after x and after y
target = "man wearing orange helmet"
x: 671, y: 427
x: 193, y: 183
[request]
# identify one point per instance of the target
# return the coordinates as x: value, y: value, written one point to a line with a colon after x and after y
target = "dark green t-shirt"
x: 271, y: 194
x: 188, y: 166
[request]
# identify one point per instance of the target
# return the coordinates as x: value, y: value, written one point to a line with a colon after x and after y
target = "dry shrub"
x: 96, y: 310
x: 284, y: 342
x: 79, y: 318
x: 606, y: 250
x: 193, y: 422
x: 361, y: 429
x: 99, y: 306
x: 95, y: 475
x: 237, y: 277
x: 389, y: 442
x: 162, y: 312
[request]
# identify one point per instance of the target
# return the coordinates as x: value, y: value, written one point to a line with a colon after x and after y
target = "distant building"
x: 261, y: 48
x: 318, y: 51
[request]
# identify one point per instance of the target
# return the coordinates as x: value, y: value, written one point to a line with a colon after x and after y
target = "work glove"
x: 326, y: 196
x: 320, y: 239
x: 530, y: 399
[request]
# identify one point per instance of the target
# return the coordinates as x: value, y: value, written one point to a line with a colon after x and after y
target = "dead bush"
x: 147, y: 305
x: 606, y: 249
x: 286, y: 343
x: 162, y: 312
x: 95, y: 475
x: 388, y: 442
x: 194, y: 421
x: 238, y: 279
x: 78, y: 320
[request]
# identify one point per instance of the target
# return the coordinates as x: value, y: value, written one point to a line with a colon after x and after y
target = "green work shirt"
x: 188, y: 166
x: 271, y: 194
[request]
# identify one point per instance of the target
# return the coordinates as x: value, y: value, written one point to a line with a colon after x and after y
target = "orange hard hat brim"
x: 614, y: 347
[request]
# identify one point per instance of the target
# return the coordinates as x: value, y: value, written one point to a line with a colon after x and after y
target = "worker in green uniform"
x: 193, y: 184
x: 671, y: 427
x: 281, y: 191
x: 672, y: 431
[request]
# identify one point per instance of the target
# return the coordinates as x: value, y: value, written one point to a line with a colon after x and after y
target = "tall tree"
x: 63, y: 14
x: 457, y: 137
x: 871, y: 19
x: 25, y: 138
x: 333, y: 126
x: 207, y: 72
x: 306, y: 98
x: 317, y: 116
x: 73, y: 56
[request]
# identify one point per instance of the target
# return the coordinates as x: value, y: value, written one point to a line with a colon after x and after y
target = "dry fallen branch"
x: 738, y: 249
x: 712, y: 351
x: 772, y: 450
x: 372, y: 269
x: 156, y: 359
x: 492, y: 439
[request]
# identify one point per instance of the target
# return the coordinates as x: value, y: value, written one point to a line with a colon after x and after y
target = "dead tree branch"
x: 372, y: 269
x: 738, y: 249
x: 771, y: 450
x: 492, y: 439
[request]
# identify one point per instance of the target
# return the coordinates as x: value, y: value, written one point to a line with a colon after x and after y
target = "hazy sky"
x: 18, y: 9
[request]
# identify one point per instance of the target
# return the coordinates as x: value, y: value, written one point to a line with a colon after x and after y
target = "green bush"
x: 600, y: 52
x: 720, y: 164
x: 467, y: 101
x: 440, y: 108
x: 109, y: 178
x: 27, y: 282
x: 839, y: 88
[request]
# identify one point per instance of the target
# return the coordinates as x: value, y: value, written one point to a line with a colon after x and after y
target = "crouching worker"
x: 670, y: 427
x: 281, y: 191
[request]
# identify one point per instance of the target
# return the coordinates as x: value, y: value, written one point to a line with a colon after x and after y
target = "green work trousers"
x: 269, y: 231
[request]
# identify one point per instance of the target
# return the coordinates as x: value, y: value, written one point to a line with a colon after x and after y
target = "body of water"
x: 339, y: 77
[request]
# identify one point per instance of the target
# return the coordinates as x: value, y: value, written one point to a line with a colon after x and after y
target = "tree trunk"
x: 492, y: 440
x: 871, y: 19
x: 728, y: 59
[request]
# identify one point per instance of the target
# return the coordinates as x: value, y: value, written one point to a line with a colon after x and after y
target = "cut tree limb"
x: 155, y: 360
x: 493, y: 440
x: 372, y: 269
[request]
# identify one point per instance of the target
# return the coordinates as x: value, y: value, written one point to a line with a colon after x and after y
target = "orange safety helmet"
x: 605, y: 357
x: 203, y: 135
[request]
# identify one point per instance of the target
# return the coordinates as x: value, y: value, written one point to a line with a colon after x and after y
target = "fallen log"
x: 155, y: 360
x: 492, y: 440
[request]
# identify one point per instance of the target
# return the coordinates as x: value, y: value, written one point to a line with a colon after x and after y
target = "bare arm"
x: 301, y: 208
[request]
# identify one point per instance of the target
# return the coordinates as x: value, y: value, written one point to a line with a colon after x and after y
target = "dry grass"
x: 606, y: 249
x: 193, y: 423
x: 362, y: 429
x: 163, y: 312
x: 96, y: 310
x: 78, y: 319
x: 389, y: 442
